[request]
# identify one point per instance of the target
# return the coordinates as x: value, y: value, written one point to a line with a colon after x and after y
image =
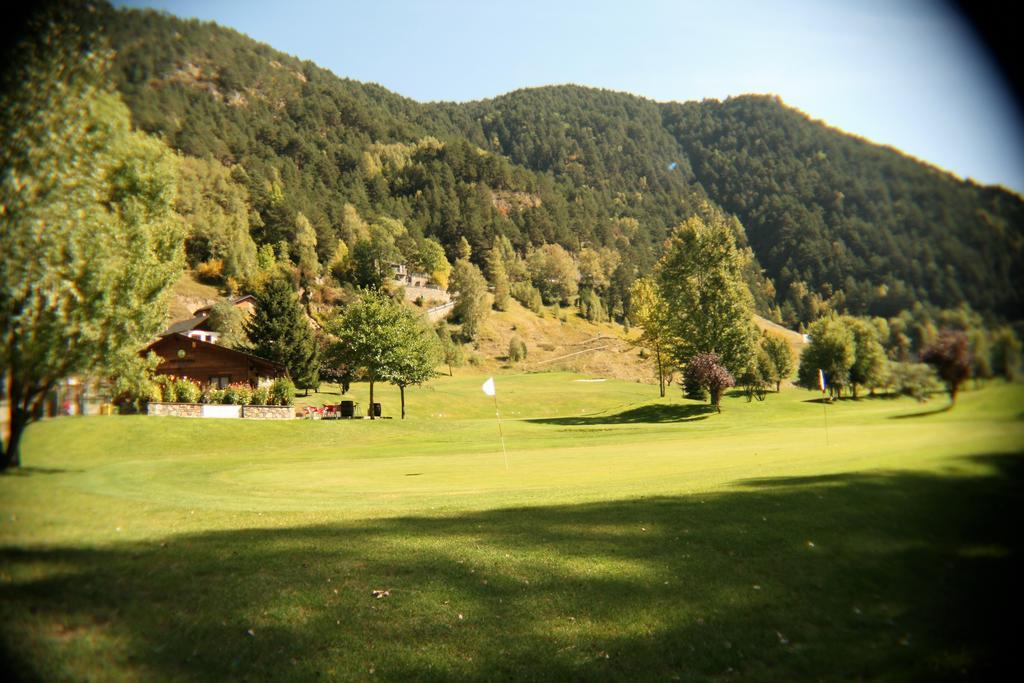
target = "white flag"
x: 489, y: 386
x: 821, y: 380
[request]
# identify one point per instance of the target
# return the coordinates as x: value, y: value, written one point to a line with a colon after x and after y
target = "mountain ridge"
x: 903, y: 231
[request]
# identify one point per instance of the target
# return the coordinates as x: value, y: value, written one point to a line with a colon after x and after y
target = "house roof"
x: 261, y: 363
x: 184, y: 325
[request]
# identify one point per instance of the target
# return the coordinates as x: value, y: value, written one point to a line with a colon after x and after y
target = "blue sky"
x: 904, y: 73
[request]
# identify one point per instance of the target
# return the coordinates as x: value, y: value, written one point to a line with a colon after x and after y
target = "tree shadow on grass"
x: 936, y: 411
x: 904, y: 576
x: 24, y: 471
x: 648, y: 414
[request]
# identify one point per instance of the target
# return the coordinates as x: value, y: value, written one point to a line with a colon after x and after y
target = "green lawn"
x: 629, y: 538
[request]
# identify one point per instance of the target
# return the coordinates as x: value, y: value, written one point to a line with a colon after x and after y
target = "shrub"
x: 516, y: 350
x: 282, y: 392
x: 238, y: 394
x: 164, y: 388
x: 260, y: 396
x: 186, y: 390
x: 210, y: 271
x: 475, y: 359
x: 213, y: 395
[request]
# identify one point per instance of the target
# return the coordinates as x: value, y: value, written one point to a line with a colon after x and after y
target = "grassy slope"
x: 629, y: 538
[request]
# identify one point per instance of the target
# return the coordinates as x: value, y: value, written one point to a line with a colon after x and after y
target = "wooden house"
x: 209, y: 363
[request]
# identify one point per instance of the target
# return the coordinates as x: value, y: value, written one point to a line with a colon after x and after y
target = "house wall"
x: 202, y: 362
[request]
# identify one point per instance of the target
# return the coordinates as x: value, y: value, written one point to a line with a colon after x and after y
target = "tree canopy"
x: 709, y: 306
x: 90, y: 241
x: 279, y: 331
x: 383, y: 340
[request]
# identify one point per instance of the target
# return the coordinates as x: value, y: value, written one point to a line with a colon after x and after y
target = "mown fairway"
x: 629, y: 538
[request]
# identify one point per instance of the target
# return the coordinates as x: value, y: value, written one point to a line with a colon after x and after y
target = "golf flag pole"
x: 490, y: 391
x: 824, y: 403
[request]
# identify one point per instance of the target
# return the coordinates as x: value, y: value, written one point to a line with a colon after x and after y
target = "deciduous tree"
x: 469, y: 288
x: 832, y: 350
x: 90, y: 242
x: 950, y: 357
x: 416, y: 355
x: 648, y: 311
x: 385, y: 340
x: 706, y: 371
x: 781, y: 357
x: 709, y: 308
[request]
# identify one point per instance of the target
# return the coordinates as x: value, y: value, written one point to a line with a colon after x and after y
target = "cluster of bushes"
x: 175, y: 389
x: 280, y: 392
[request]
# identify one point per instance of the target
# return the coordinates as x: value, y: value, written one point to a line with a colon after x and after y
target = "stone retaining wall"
x: 196, y: 410
x: 175, y: 409
x: 268, y: 412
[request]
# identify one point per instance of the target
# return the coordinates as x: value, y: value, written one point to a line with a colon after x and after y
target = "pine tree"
x: 280, y: 331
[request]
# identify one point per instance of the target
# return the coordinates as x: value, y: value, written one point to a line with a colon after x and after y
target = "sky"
x: 905, y: 73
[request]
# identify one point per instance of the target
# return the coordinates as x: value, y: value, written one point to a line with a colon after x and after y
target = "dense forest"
x: 827, y: 220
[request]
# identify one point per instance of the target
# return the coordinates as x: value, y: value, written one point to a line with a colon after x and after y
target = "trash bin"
x: 376, y: 410
x: 348, y: 408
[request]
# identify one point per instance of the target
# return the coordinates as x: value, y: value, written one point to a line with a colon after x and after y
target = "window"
x: 220, y: 381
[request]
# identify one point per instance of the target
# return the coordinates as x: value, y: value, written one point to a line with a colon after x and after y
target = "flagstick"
x: 500, y: 435
x: 824, y: 408
x: 824, y: 401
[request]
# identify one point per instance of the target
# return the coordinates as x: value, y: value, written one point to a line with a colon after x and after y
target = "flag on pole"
x: 488, y: 388
x: 821, y: 380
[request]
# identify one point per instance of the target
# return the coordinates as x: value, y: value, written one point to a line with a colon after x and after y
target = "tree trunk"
x: 778, y: 383
x: 18, y: 422
x: 23, y: 402
x: 401, y: 391
x: 661, y: 372
x: 371, y: 398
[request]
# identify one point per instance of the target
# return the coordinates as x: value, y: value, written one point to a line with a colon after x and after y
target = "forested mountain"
x: 832, y: 219
x: 824, y: 208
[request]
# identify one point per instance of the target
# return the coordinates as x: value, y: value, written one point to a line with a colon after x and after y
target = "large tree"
x: 869, y: 363
x: 369, y: 337
x: 832, y: 350
x: 90, y: 241
x: 416, y: 355
x: 709, y: 308
x: 279, y: 330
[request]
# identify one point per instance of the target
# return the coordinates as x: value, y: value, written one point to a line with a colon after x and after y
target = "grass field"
x: 629, y: 538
